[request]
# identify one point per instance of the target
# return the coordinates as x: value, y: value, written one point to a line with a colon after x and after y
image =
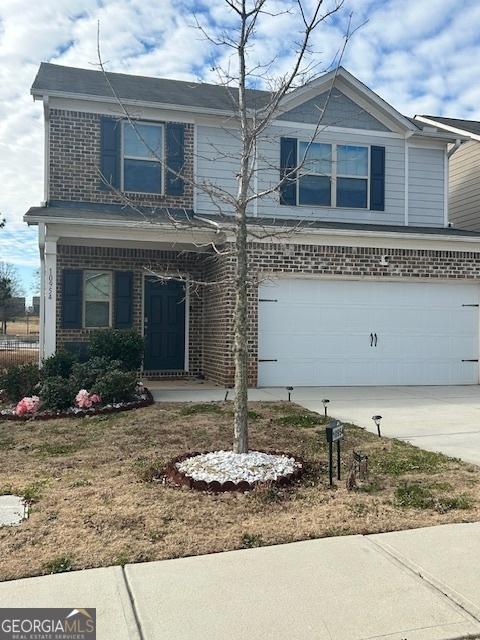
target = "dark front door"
x: 164, y: 325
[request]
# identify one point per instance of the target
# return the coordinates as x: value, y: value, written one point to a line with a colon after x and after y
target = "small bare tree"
x: 251, y: 119
x: 10, y: 289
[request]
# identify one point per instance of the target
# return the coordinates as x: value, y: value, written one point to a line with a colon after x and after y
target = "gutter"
x: 466, y: 135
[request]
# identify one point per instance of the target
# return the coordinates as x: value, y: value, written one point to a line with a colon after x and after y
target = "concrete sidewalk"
x: 413, y: 585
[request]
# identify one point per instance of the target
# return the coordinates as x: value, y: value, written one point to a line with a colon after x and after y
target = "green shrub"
x: 86, y: 374
x: 117, y: 386
x: 57, y: 393
x: 20, y: 381
x: 60, y: 364
x: 118, y: 344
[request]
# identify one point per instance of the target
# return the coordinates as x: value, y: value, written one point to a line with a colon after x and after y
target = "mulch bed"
x: 82, y: 413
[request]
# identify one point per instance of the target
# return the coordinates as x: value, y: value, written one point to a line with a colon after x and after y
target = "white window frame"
x: 333, y: 176
x: 156, y: 160
x: 84, y: 298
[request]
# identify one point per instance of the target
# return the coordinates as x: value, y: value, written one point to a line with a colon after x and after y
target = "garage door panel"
x: 318, y: 332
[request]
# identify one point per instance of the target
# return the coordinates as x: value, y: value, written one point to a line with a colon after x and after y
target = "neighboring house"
x: 375, y: 288
x: 36, y: 306
x: 464, y: 169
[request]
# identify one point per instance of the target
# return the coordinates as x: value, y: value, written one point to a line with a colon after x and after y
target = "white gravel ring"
x: 225, y: 466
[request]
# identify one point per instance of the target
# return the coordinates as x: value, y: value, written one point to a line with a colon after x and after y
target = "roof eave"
x: 39, y: 95
x: 461, y: 133
x: 314, y: 231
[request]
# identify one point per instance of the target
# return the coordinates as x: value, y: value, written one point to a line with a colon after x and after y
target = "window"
x: 314, y: 182
x: 97, y: 289
x: 352, y: 176
x: 335, y: 175
x: 142, y: 157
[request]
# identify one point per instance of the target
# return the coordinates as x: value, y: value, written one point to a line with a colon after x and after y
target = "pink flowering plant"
x: 85, y: 400
x: 27, y: 405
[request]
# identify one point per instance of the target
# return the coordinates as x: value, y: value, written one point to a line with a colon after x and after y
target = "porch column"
x: 50, y: 297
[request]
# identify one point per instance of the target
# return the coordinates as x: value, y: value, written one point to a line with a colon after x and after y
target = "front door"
x: 164, y: 325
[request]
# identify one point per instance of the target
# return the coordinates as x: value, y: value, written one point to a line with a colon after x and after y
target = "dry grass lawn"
x: 20, y: 327
x: 94, y: 502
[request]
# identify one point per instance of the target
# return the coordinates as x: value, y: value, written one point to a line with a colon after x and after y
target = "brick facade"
x: 75, y: 163
x: 211, y: 307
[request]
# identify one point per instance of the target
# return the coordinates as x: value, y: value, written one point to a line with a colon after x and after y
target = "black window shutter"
x: 110, y: 143
x: 377, y: 178
x: 123, y: 292
x: 175, y: 135
x: 72, y: 280
x: 288, y: 161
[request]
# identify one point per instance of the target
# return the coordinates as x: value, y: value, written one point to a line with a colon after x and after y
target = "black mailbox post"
x: 334, y: 433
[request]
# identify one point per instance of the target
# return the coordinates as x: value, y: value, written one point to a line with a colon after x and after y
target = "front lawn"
x: 96, y: 502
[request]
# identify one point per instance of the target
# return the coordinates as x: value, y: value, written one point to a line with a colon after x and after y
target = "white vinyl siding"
x: 426, y: 182
x: 217, y: 160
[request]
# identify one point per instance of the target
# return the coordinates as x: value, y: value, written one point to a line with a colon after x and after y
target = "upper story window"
x: 333, y: 175
x: 97, y: 309
x: 143, y: 156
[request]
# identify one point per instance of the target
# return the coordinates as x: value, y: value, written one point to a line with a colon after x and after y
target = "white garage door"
x: 325, y: 332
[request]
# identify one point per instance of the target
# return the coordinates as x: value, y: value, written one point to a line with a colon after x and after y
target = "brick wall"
x: 75, y: 163
x: 211, y: 307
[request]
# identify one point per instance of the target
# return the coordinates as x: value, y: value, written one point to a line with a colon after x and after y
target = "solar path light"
x: 377, y: 420
x: 289, y: 389
x: 325, y: 403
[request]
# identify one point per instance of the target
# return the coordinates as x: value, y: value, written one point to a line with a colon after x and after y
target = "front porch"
x: 159, y: 288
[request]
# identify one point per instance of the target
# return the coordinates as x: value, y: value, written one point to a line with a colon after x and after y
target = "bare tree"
x: 10, y: 289
x: 250, y: 122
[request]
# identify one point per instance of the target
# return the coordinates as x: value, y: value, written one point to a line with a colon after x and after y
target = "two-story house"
x: 372, y: 288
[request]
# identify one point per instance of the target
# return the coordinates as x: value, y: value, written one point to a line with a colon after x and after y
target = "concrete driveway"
x: 445, y: 419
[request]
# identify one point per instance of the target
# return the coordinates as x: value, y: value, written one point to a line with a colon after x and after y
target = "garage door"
x: 319, y: 332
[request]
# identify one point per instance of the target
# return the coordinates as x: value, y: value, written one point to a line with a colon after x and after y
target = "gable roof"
x: 453, y: 124
x: 58, y: 80
x: 71, y: 82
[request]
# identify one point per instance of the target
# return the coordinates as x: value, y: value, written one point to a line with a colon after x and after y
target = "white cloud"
x: 420, y: 56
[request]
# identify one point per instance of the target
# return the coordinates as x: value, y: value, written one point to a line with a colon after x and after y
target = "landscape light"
x: 227, y: 389
x: 325, y: 401
x: 289, y: 389
x: 377, y: 420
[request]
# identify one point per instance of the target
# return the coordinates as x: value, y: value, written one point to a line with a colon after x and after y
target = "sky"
x: 422, y: 56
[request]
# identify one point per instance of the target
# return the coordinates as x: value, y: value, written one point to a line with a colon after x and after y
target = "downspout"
x: 41, y: 246
x: 449, y: 154
x: 46, y: 152
x: 457, y: 145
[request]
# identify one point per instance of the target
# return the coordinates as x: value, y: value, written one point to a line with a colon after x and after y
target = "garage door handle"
x: 371, y: 339
x: 375, y: 339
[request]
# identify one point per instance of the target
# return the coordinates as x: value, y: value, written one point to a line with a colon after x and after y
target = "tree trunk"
x: 241, y: 336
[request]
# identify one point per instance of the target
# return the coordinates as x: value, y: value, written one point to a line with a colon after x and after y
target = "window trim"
x: 156, y: 161
x: 333, y: 176
x: 84, y: 298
